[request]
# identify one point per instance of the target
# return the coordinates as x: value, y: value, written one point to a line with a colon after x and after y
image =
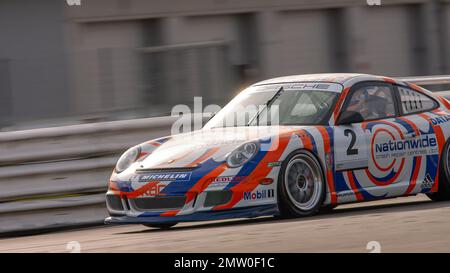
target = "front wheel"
x: 160, y: 226
x: 443, y: 193
x: 301, y: 187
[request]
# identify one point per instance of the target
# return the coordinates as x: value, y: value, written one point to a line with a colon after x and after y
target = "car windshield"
x: 288, y: 104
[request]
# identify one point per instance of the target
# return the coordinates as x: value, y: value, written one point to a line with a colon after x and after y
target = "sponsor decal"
x: 313, y: 86
x: 222, y: 181
x: 440, y: 120
x: 427, y: 183
x: 179, y: 176
x: 266, y: 181
x: 259, y: 195
x: 274, y: 164
x: 345, y: 193
x: 329, y: 161
x: 406, y: 144
x: 154, y: 191
x: 398, y: 148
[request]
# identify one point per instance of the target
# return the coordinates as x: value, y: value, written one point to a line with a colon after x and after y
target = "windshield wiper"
x: 266, y: 106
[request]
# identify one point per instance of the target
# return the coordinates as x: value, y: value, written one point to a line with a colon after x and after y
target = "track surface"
x: 412, y: 224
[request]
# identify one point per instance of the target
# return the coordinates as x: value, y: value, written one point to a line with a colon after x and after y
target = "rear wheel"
x: 160, y: 226
x: 443, y: 192
x: 301, y: 189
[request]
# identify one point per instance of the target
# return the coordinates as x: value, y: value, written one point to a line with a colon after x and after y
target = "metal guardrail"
x: 57, y: 177
x: 431, y: 81
x: 428, y: 80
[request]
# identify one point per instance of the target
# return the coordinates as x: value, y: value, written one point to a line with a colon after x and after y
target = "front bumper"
x: 245, y: 212
x: 199, y: 199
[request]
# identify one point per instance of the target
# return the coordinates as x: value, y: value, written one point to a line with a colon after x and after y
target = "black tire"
x: 161, y: 226
x: 286, y: 205
x: 443, y: 193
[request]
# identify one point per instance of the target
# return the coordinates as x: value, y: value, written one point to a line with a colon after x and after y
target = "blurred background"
x: 119, y: 59
x: 80, y: 84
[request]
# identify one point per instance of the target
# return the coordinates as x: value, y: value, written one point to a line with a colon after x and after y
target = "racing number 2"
x: 351, y: 150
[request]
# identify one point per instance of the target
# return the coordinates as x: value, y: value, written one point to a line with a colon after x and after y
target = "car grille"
x: 114, y: 202
x: 216, y: 198
x: 158, y: 203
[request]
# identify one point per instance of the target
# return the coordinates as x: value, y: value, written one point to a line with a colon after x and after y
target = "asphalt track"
x: 411, y: 224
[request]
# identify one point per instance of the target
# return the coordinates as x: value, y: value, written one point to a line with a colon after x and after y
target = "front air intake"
x: 114, y: 202
x: 158, y: 203
x: 216, y: 198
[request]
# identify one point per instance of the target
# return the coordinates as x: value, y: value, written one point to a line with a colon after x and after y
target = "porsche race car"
x: 310, y: 143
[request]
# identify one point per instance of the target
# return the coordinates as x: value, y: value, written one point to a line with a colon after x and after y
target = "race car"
x: 309, y: 143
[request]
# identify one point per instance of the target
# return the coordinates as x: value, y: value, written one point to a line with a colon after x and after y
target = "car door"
x: 364, y: 167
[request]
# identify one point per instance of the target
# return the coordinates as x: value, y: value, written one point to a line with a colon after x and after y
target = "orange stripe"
x: 358, y: 194
x: 154, y: 143
x: 340, y: 102
x: 416, y: 130
x: 441, y: 142
x: 330, y: 178
x: 389, y: 80
x: 373, y: 154
x: 445, y: 102
x: 197, y: 188
x: 439, y: 112
x: 203, y: 157
x: 392, y: 180
x: 415, y: 87
x: 307, y: 143
x: 112, y: 186
x: 141, y: 155
x: 413, y: 181
x: 169, y: 213
x: 140, y: 191
x: 252, y: 181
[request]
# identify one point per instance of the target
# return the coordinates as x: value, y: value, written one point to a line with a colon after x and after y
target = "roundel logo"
x: 381, y: 150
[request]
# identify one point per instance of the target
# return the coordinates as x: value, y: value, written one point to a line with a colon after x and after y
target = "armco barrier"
x: 57, y: 177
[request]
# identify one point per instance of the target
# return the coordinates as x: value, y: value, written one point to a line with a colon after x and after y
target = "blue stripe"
x: 366, y: 195
x: 312, y: 141
x: 339, y: 182
x: 181, y: 187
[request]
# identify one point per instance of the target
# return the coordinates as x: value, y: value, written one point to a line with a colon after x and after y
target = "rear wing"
x: 441, y: 80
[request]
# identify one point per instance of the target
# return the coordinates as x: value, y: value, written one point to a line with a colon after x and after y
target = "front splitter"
x: 248, y: 212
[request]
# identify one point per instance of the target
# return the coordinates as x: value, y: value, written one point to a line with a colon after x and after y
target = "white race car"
x: 338, y: 138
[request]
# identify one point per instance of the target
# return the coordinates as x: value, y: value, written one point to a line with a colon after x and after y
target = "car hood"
x: 192, y: 149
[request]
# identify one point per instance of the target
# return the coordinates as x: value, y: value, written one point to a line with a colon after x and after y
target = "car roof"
x: 342, y: 78
x: 347, y: 80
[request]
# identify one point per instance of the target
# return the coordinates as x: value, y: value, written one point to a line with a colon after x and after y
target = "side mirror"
x: 349, y: 117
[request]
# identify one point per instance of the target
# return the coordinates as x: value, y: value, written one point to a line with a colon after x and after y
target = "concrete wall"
x: 105, y: 70
x: 33, y: 64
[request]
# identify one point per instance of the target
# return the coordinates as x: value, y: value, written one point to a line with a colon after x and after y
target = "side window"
x: 372, y: 101
x: 414, y: 102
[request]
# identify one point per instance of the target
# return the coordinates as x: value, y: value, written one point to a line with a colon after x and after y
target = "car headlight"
x: 242, y: 154
x: 128, y: 158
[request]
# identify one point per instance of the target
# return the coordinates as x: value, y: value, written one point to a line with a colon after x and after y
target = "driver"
x: 358, y: 102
